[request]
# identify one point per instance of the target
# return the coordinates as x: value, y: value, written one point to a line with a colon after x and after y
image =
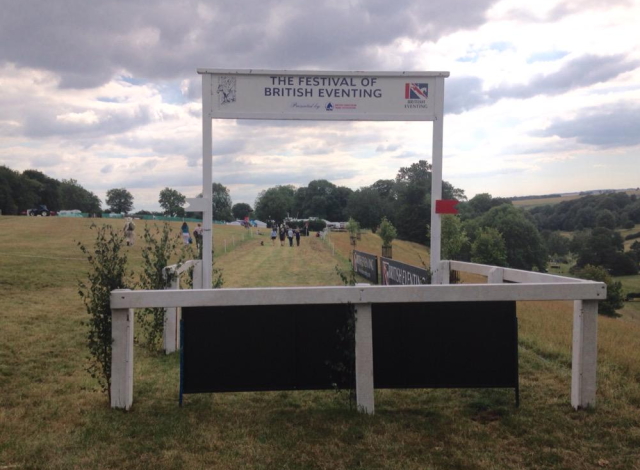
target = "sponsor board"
x: 382, y: 96
x: 396, y: 273
x: 366, y: 265
x: 286, y: 347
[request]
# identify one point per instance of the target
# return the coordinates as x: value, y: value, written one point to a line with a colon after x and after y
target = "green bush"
x: 615, y: 296
x: 387, y: 232
x: 631, y: 236
x: 107, y: 272
x: 158, y: 249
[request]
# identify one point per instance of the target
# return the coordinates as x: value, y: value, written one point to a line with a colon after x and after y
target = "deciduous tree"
x: 120, y: 200
x: 241, y: 210
x: 172, y: 201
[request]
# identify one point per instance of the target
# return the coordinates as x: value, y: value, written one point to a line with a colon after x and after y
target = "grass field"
x: 529, y: 203
x: 52, y: 416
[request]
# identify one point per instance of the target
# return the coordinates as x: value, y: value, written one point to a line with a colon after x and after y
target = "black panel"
x: 429, y: 345
x: 397, y: 273
x: 449, y: 344
x: 291, y: 347
x: 366, y: 265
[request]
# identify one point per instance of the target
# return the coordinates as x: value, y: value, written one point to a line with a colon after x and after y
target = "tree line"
x: 404, y: 201
x: 22, y: 191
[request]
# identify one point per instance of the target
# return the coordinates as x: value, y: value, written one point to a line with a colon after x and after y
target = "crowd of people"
x: 284, y: 231
x: 281, y: 232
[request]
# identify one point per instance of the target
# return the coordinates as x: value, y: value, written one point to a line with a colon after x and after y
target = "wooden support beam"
x: 170, y: 330
x: 122, y: 358
x: 585, y: 352
x: 364, y: 359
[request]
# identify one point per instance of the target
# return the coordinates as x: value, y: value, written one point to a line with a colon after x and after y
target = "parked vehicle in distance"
x: 41, y: 211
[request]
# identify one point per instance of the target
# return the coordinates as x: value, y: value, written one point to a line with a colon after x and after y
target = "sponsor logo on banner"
x: 416, y: 95
x: 366, y: 265
x: 329, y: 107
x: 416, y: 91
x: 396, y: 273
x: 226, y: 89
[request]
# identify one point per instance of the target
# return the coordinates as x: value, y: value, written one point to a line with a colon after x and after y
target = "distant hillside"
x: 549, y: 199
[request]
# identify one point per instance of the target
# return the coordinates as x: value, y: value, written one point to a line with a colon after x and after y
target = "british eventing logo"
x: 416, y: 91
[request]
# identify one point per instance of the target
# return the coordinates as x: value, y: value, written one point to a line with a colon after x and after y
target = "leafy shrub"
x: 158, y: 249
x: 615, y: 296
x: 387, y: 232
x: 108, y: 272
x: 632, y: 236
x: 489, y: 248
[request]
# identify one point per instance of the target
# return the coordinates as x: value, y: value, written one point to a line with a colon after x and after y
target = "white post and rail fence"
x: 521, y: 286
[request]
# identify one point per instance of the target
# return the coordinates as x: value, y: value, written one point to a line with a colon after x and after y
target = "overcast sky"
x: 543, y: 96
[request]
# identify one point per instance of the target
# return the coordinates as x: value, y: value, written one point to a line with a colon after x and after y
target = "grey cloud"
x: 465, y: 93
x: 296, y: 177
x: 388, y: 148
x: 462, y: 94
x: 580, y: 72
x: 106, y: 169
x: 45, y: 161
x: 87, y: 43
x: 44, y: 123
x: 612, y: 126
x: 562, y: 10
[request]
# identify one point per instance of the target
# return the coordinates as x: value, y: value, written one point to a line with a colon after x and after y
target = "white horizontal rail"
x: 513, y: 275
x: 180, y: 268
x: 587, y: 290
x: 323, y: 73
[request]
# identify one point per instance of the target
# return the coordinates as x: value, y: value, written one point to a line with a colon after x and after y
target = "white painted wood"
x: 364, y: 359
x: 372, y: 294
x: 207, y: 168
x: 495, y: 276
x: 122, y: 358
x: 584, y: 354
x: 197, y: 275
x: 436, y: 180
x: 444, y: 272
x: 170, y: 330
x: 512, y: 275
x: 322, y: 73
x: 196, y: 204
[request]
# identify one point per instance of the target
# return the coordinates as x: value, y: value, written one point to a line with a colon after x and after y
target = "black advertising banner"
x: 366, y: 265
x: 293, y: 347
x: 445, y: 345
x: 253, y: 348
x: 396, y: 273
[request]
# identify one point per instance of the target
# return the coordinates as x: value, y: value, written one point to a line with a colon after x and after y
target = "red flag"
x: 446, y: 206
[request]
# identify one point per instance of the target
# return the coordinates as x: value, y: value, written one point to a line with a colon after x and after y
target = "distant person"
x: 274, y: 235
x: 185, y: 233
x: 290, y: 236
x: 129, y: 227
x: 197, y: 235
x: 297, y: 237
x: 282, y: 235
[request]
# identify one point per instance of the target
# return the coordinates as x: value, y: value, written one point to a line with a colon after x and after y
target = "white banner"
x: 372, y: 96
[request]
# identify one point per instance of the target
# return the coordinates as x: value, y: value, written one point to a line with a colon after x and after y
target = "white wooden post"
x: 444, y: 272
x: 170, y: 330
x: 585, y: 351
x: 207, y: 165
x: 197, y: 276
x: 122, y: 357
x: 436, y: 177
x: 495, y: 276
x: 364, y: 359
